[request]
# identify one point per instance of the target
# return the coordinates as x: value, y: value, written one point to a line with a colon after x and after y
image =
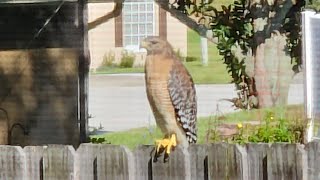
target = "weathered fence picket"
x: 175, y: 168
x: 34, y: 159
x: 313, y: 156
x: 115, y: 162
x: 86, y: 161
x: 281, y: 161
x: 12, y: 163
x: 199, y: 162
x: 222, y: 162
x: 257, y: 161
x: 58, y: 161
x: 143, y: 162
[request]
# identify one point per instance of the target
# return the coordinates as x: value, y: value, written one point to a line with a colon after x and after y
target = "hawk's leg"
x: 166, y: 143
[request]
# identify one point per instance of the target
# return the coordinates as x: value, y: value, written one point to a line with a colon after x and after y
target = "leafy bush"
x: 127, y: 60
x: 98, y: 140
x: 271, y: 130
x: 108, y: 61
x: 191, y: 59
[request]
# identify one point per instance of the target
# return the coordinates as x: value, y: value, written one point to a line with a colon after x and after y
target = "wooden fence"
x: 110, y: 162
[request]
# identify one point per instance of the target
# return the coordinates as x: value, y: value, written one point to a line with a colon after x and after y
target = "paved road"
x: 119, y: 102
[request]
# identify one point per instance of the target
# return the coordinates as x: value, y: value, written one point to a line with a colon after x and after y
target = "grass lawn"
x: 215, y: 72
x: 147, y: 135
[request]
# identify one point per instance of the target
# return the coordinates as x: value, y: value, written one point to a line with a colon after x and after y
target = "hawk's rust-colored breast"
x: 157, y: 71
x: 170, y: 91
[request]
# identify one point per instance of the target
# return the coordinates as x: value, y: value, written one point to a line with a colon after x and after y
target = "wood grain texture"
x: 86, y: 161
x: 241, y: 163
x: 198, y: 161
x: 177, y: 167
x: 257, y: 160
x: 34, y: 162
x: 115, y: 162
x: 282, y: 162
x: 225, y: 162
x: 12, y: 163
x: 58, y: 161
x: 313, y: 156
x: 143, y: 162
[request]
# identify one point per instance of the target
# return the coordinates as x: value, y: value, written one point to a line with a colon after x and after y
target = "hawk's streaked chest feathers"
x: 170, y: 91
x: 171, y: 95
x: 157, y: 74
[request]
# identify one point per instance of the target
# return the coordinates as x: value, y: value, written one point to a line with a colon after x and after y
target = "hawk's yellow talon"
x: 167, y: 144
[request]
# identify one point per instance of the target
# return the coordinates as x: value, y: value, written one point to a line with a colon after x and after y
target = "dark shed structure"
x: 43, y: 72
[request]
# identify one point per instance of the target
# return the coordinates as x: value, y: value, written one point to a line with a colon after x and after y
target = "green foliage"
x: 233, y: 26
x: 98, y: 140
x: 108, y: 61
x: 127, y: 60
x: 313, y: 4
x: 191, y: 59
x: 271, y: 130
x: 292, y: 28
x: 208, y: 127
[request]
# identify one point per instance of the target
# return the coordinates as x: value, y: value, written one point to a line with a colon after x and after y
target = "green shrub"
x: 98, y: 140
x: 108, y: 61
x: 271, y: 130
x: 191, y: 59
x: 127, y: 60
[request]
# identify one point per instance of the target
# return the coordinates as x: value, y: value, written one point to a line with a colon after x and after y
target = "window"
x: 138, y: 22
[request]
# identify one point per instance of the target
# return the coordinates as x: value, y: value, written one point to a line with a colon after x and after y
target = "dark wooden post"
x: 84, y: 63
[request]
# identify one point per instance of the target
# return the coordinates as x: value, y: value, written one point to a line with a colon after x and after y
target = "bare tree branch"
x: 185, y: 19
x: 114, y: 13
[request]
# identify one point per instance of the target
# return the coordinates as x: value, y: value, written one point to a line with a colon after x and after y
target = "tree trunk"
x: 278, y: 67
x: 261, y: 77
x: 272, y: 70
x: 272, y: 62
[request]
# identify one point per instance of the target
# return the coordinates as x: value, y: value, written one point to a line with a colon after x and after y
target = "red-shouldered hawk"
x: 171, y: 94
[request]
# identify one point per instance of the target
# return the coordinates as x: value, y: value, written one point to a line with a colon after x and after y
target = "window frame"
x: 132, y: 46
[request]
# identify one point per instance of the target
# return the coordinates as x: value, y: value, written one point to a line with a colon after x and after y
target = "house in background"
x: 138, y: 19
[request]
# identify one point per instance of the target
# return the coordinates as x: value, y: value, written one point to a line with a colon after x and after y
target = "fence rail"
x: 213, y: 162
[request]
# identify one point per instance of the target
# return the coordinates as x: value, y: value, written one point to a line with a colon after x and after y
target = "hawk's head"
x: 156, y: 45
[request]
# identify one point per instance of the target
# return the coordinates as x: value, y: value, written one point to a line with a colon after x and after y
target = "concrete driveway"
x: 119, y: 102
